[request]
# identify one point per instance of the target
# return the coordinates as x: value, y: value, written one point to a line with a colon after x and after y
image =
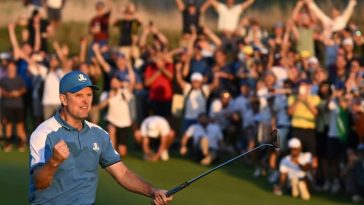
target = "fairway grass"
x: 230, y: 185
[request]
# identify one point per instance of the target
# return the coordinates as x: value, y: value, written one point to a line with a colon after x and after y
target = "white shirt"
x: 51, y: 87
x: 212, y: 132
x: 332, y: 25
x: 228, y: 17
x: 54, y: 4
x: 292, y: 169
x: 118, y: 112
x: 196, y: 101
x: 161, y: 124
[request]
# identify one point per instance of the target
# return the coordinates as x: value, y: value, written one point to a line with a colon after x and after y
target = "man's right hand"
x: 183, y: 150
x: 60, y: 153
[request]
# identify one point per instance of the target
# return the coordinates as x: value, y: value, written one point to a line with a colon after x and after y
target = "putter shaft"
x: 186, y: 184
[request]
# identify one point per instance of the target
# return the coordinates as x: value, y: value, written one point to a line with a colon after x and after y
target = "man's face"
x: 244, y: 90
x: 203, y: 120
x: 340, y: 61
x: 192, y: 9
x: 220, y: 58
x: 196, y: 84
x: 295, y: 152
x: 11, y: 70
x: 100, y: 8
x: 230, y: 3
x: 121, y: 62
x: 78, y: 104
x: 304, y: 19
x: 335, y: 13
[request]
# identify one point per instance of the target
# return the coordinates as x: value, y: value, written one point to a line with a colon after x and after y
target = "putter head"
x: 276, y: 139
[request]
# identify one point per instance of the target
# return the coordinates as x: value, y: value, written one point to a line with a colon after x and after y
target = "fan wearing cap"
x: 65, y: 152
x: 195, y: 94
x: 155, y: 134
x: 293, y: 168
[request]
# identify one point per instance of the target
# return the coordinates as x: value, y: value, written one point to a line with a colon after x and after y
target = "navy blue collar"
x: 67, y: 126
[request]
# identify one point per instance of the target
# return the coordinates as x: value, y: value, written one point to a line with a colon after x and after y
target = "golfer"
x: 66, y: 149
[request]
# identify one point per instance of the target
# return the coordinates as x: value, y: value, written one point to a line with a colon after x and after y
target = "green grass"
x: 230, y: 185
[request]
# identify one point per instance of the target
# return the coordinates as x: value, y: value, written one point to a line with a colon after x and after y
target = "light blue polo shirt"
x: 75, y: 181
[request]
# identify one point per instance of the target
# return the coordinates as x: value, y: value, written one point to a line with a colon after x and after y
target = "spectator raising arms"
x: 337, y: 21
x: 128, y: 25
x: 196, y: 94
x: 99, y: 25
x: 191, y: 15
x: 229, y: 14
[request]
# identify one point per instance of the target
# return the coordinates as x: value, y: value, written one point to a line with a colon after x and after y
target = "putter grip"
x: 177, y: 189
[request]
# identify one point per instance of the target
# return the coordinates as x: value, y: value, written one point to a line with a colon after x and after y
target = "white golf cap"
x: 313, y: 60
x: 196, y: 77
x: 152, y: 129
x: 294, y: 143
x: 348, y: 41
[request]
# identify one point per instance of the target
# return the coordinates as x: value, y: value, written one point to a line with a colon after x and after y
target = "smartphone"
x: 302, y: 90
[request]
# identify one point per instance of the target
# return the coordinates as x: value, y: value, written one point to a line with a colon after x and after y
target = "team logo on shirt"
x: 96, y: 147
x: 82, y: 78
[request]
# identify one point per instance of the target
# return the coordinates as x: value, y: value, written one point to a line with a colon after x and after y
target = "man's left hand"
x: 160, y: 198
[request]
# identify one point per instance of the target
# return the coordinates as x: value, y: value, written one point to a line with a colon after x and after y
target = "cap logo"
x: 82, y: 78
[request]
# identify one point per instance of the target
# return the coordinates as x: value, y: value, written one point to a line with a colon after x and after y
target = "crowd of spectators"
x: 228, y: 88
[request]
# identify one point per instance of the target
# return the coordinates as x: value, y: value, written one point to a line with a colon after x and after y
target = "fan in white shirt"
x: 294, y: 168
x: 155, y: 132
x: 229, y: 14
x: 118, y: 113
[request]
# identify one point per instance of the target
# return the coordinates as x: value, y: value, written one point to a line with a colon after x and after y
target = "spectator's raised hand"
x: 179, y: 67
x: 11, y: 26
x: 96, y: 47
x: 83, y: 40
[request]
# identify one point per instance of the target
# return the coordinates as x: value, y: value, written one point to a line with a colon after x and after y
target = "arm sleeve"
x: 283, y: 167
x: 40, y: 149
x: 220, y: 7
x: 189, y: 132
x: 320, y: 15
x: 143, y: 128
x: 109, y: 156
x: 206, y: 90
x: 348, y: 11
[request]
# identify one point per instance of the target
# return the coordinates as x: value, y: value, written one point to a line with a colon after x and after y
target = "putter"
x: 275, y: 144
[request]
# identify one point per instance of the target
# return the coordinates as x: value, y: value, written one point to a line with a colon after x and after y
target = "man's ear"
x: 63, y: 99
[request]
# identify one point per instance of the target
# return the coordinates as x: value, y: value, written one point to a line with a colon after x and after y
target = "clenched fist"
x: 60, y: 153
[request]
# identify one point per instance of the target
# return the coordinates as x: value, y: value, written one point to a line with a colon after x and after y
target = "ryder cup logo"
x: 96, y: 147
x: 82, y: 78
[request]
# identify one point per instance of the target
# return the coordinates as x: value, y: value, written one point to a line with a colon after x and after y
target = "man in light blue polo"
x: 65, y: 152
